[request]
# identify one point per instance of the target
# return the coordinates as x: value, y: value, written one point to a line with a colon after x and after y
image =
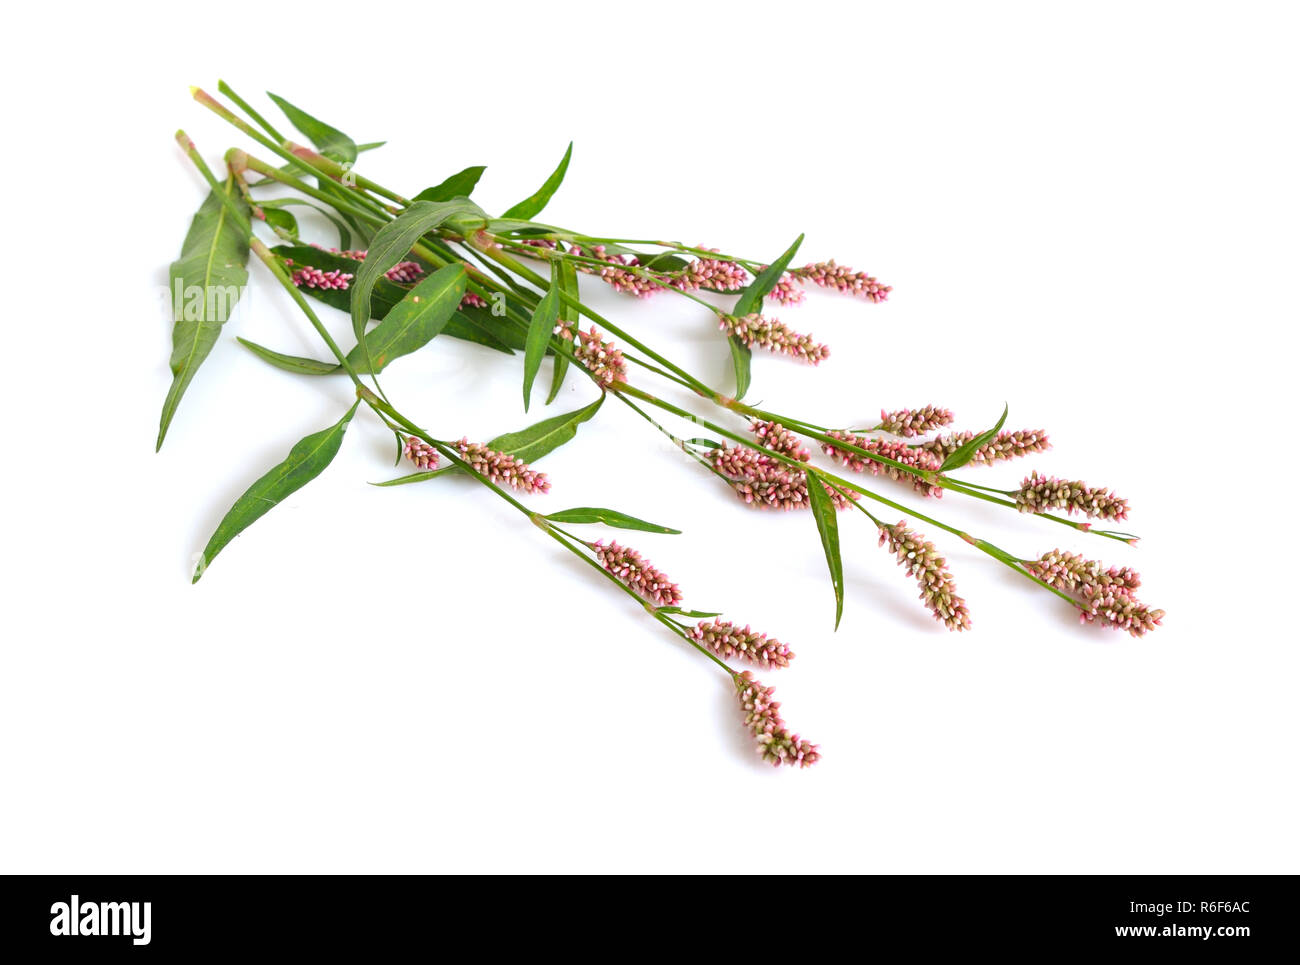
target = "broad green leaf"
x: 414, y: 321
x: 459, y: 185
x: 290, y: 363
x: 532, y: 205
x: 664, y: 261
x: 752, y: 301
x: 391, y: 244
x: 471, y: 325
x: 537, y: 440
x: 333, y: 143
x: 828, y: 527
x: 305, y: 462
x: 610, y: 517
x: 568, y: 315
x: 966, y: 452
x: 539, y: 332
x: 205, y: 281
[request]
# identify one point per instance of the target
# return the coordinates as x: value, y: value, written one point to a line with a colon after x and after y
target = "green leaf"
x: 370, y: 146
x: 414, y: 321
x: 828, y: 526
x: 305, y: 462
x: 740, y: 357
x: 345, y: 238
x: 459, y: 185
x: 537, y: 440
x: 532, y: 205
x: 707, y: 443
x: 284, y: 220
x: 416, y: 477
x: 539, y: 332
x: 391, y: 244
x: 290, y: 363
x: 569, y: 315
x: 333, y: 143
x: 692, y: 614
x: 610, y: 517
x: 471, y: 325
x: 966, y: 452
x: 205, y: 284
x: 752, y: 301
x: 664, y: 261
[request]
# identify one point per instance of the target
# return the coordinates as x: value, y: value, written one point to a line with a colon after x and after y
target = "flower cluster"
x: 501, y: 467
x: 1102, y: 594
x: 716, y: 274
x: 616, y: 274
x: 636, y: 573
x: 1039, y: 493
x: 420, y: 452
x: 921, y: 559
x: 827, y: 274
x: 404, y: 272
x: 773, y: 335
x: 777, y: 744
x: 909, y: 422
x: 727, y: 640
x: 1006, y: 445
x: 785, y: 291
x: 778, y: 438
x: 899, y: 452
x: 315, y: 278
x: 470, y: 300
x: 602, y: 359
x: 767, y: 483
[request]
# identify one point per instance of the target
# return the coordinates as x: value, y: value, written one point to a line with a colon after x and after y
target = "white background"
x: 1088, y: 212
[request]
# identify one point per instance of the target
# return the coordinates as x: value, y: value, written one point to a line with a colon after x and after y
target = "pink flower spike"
x: 1006, y: 445
x: 921, y: 559
x: 909, y: 422
x: 1040, y: 494
x: 500, y: 467
x: 827, y: 274
x: 765, y: 483
x: 769, y: 333
x: 470, y: 300
x: 778, y: 438
x: 777, y: 744
x: 602, y: 359
x: 727, y: 640
x: 420, y: 452
x: 636, y: 573
x: 890, y: 449
x: 324, y: 280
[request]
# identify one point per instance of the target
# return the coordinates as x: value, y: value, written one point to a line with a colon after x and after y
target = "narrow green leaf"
x: 966, y: 452
x: 692, y: 614
x: 740, y: 358
x: 539, y: 332
x: 345, y: 237
x: 305, y: 462
x: 459, y: 185
x: 416, y: 477
x: 206, y: 281
x: 707, y: 443
x: 391, y: 244
x: 752, y: 301
x: 537, y: 440
x: 331, y: 142
x: 828, y: 527
x: 290, y: 363
x: 370, y: 146
x: 610, y: 517
x: 414, y: 321
x: 532, y: 205
x: 569, y: 315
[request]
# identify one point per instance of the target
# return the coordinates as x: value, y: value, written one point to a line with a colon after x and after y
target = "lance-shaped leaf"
x: 828, y: 526
x: 532, y: 205
x: 290, y: 363
x: 752, y: 301
x: 539, y: 332
x: 331, y: 142
x: 345, y: 238
x: 279, y: 218
x: 546, y: 436
x: 610, y: 517
x: 206, y: 281
x: 305, y: 462
x: 391, y: 244
x: 459, y: 185
x: 472, y: 325
x: 569, y: 316
x: 414, y: 321
x: 528, y: 444
x: 966, y: 452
